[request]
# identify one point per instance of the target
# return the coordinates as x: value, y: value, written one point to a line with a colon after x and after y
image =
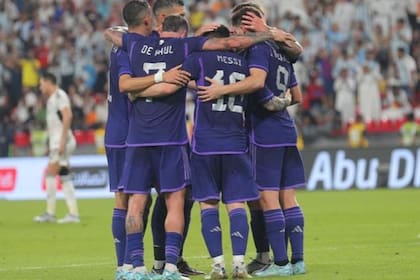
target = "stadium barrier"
x: 23, y: 178
x: 343, y: 169
x: 326, y: 169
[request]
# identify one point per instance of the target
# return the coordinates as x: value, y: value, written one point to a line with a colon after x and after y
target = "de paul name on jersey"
x: 150, y: 50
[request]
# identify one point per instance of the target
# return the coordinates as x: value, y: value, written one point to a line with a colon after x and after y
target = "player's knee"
x: 52, y: 169
x: 288, y: 199
x: 121, y: 200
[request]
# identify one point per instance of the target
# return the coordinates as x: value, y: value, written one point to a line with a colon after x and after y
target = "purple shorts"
x: 165, y: 166
x: 277, y: 168
x: 230, y: 175
x: 116, y: 159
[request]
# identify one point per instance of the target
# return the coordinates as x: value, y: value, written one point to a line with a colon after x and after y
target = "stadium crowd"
x: 361, y: 58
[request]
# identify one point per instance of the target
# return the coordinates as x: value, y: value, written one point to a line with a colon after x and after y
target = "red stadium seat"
x: 22, y: 139
x: 90, y: 137
x: 79, y: 135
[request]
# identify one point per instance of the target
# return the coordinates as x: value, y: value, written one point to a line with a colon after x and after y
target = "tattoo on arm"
x: 237, y: 42
x: 251, y: 39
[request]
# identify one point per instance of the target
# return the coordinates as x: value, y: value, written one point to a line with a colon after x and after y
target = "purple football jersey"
x: 271, y: 129
x: 118, y: 105
x: 158, y: 121
x: 219, y: 126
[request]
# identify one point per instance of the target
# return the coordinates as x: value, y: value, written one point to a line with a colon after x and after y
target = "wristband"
x: 158, y: 77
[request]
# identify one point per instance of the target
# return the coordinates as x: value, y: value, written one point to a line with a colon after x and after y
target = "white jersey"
x: 56, y: 102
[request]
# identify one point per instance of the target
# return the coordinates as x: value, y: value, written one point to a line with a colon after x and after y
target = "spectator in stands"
x: 345, y: 101
x: 356, y: 136
x: 381, y: 43
x: 401, y: 36
x: 66, y: 64
x: 345, y: 60
x: 57, y: 31
x: 410, y: 131
x: 324, y: 63
x: 396, y: 105
x: 6, y: 135
x: 406, y: 72
x: 315, y: 91
x: 368, y: 95
x: 336, y: 38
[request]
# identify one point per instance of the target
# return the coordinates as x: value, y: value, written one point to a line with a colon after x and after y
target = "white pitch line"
x: 55, y: 266
x: 46, y: 267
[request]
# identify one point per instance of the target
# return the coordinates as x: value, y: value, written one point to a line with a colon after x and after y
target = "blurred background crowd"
x: 360, y: 63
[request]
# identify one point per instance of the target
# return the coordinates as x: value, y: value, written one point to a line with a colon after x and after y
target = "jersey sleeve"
x: 123, y: 63
x: 63, y: 101
x: 258, y: 56
x: 125, y: 39
x: 194, y: 44
x: 264, y: 95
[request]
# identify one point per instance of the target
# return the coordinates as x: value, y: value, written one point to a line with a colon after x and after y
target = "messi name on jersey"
x: 229, y: 60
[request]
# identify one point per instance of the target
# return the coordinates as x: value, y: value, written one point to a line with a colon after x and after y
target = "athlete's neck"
x: 172, y: 34
x: 52, y: 90
x: 141, y: 30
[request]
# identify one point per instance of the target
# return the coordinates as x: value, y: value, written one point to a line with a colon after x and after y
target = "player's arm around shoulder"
x: 254, y: 82
x: 114, y: 35
x: 164, y: 83
x: 286, y: 41
x: 239, y: 42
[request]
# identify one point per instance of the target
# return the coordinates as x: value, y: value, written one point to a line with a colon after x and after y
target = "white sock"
x: 158, y: 264
x: 68, y: 190
x: 219, y: 260
x: 140, y: 269
x: 51, y: 188
x: 126, y: 267
x: 263, y: 257
x: 238, y: 260
x: 171, y: 267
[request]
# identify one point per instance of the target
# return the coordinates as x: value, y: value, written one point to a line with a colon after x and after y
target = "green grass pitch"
x: 348, y: 235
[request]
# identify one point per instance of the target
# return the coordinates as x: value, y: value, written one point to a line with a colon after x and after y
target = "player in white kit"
x: 61, y: 144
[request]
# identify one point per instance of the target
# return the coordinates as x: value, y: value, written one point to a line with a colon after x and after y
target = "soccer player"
x: 157, y: 153
x: 220, y: 163
x: 61, y: 145
x: 117, y: 129
x: 252, y: 22
x: 218, y: 121
x: 277, y: 163
x: 115, y: 136
x: 158, y: 131
x: 252, y: 19
x: 162, y: 9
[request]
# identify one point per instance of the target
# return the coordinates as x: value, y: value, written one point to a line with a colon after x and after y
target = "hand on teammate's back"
x: 176, y: 76
x: 210, y: 92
